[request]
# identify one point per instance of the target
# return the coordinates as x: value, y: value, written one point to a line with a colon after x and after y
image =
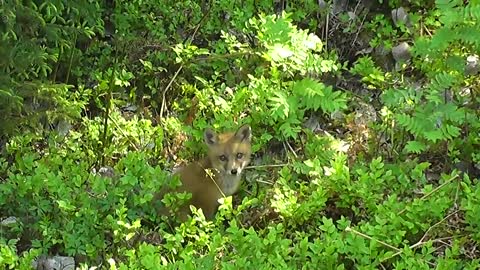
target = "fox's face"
x: 229, y: 153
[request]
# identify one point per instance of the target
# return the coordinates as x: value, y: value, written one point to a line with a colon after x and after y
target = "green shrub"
x: 99, y: 101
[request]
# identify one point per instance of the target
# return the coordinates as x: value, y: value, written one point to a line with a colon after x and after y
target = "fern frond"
x: 415, y: 147
x: 434, y: 135
x: 450, y: 132
x: 472, y: 11
x: 415, y: 125
x: 469, y: 34
x: 317, y: 96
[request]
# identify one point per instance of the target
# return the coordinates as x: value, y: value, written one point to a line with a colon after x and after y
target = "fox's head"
x: 229, y: 152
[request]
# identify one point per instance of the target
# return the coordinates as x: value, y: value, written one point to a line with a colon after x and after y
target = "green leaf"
x: 434, y: 135
x: 415, y: 147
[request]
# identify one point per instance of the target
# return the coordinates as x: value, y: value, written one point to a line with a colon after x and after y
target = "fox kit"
x: 218, y: 174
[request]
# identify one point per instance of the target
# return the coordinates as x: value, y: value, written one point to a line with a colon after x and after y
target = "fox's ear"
x: 244, y: 133
x: 210, y: 137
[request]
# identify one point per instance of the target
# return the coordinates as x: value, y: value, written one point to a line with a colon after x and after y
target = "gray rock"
x: 339, y: 6
x: 401, y: 52
x: 107, y: 172
x: 400, y: 17
x: 322, y: 5
x: 8, y: 221
x: 382, y: 56
x: 54, y: 263
x: 313, y: 124
x: 473, y: 65
x: 63, y: 128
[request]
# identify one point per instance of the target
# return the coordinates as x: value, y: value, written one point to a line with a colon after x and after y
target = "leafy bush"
x: 354, y: 166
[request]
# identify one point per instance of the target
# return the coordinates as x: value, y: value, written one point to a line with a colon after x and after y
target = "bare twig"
x: 455, y: 202
x: 108, y: 101
x: 123, y: 132
x: 348, y: 229
x: 189, y: 39
x: 267, y: 166
x: 428, y: 31
x: 221, y: 56
x: 291, y: 148
x: 359, y: 27
x: 326, y: 31
x: 70, y: 61
x: 264, y: 182
x: 162, y: 108
x: 432, y: 192
x: 422, y: 242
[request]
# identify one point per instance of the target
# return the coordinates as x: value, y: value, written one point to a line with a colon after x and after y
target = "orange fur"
x: 219, y: 173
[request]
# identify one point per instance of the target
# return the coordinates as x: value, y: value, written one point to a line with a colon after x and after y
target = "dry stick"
x: 264, y: 182
x: 455, y: 202
x: 290, y: 147
x: 428, y: 31
x: 431, y: 192
x: 348, y: 229
x: 222, y: 56
x: 359, y: 28
x: 398, y: 251
x: 123, y: 132
x: 71, y: 58
x: 421, y: 241
x: 57, y: 65
x: 108, y: 100
x: 326, y: 31
x: 358, y: 32
x: 209, y: 173
x: 267, y: 166
x: 162, y: 108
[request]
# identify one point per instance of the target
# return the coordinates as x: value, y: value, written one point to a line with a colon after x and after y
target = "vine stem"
x: 72, y: 50
x: 107, y: 109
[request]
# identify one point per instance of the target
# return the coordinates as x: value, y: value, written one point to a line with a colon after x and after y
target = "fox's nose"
x: 234, y: 171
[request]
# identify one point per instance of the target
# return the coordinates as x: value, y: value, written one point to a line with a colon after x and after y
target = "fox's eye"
x: 223, y: 158
x: 239, y: 155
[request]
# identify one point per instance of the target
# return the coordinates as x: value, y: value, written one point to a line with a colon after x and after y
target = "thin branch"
x: 422, y: 242
x: 432, y: 192
x: 327, y: 19
x: 426, y: 30
x: 123, y: 132
x: 455, y: 202
x: 221, y: 56
x: 267, y: 166
x: 291, y: 148
x: 348, y: 229
x: 108, y: 101
x: 162, y: 108
x: 70, y: 61
x: 189, y: 39
x: 264, y: 182
x: 398, y: 251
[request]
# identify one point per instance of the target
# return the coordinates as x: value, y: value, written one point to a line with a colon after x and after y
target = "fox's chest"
x: 229, y: 184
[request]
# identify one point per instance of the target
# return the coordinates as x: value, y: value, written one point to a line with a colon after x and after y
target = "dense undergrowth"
x: 361, y: 161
